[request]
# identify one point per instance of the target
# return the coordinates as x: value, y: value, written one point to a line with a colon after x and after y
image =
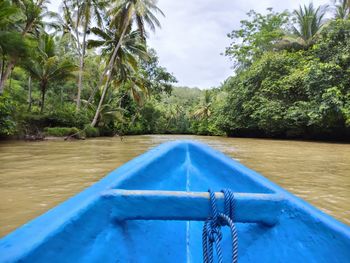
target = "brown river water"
x: 36, y: 176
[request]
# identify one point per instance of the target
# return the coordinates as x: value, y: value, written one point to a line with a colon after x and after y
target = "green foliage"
x: 7, y: 122
x: 256, y: 35
x: 175, y: 114
x: 61, y: 131
x: 66, y: 117
x: 160, y: 80
x: 46, y: 67
x: 91, y: 131
x: 132, y: 48
x: 293, y: 94
x: 141, y: 12
x: 12, y: 43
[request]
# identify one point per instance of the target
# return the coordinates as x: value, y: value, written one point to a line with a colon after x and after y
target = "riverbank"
x: 82, y: 136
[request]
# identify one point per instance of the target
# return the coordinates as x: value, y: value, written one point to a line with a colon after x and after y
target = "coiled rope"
x: 212, y: 228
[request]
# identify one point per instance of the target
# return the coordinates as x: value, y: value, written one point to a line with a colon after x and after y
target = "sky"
x: 194, y: 34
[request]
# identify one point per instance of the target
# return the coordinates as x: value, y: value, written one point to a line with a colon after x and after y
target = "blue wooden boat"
x: 152, y: 210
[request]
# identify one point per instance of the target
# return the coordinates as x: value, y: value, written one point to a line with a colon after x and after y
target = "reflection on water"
x: 36, y: 176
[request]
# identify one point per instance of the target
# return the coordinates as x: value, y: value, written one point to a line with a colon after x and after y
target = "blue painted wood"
x: 85, y: 229
x: 192, y: 206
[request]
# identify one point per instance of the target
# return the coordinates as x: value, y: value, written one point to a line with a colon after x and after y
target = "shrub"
x: 7, y: 122
x: 91, y: 131
x: 62, y: 118
x: 107, y: 130
x: 61, y: 131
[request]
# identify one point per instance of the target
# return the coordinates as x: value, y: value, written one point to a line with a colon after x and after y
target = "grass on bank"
x: 87, y: 132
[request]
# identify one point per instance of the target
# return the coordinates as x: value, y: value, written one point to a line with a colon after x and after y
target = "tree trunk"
x: 6, y: 75
x: 81, y: 67
x: 109, y: 75
x: 29, y: 93
x: 80, y: 81
x: 81, y: 52
x: 10, y: 84
x: 43, y: 91
x: 61, y: 95
x: 2, y: 68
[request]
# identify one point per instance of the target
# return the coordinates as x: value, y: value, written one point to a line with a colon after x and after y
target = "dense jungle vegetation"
x: 88, y: 71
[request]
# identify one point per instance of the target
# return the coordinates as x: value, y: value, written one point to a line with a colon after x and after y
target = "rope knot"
x: 212, y: 228
x: 214, y: 232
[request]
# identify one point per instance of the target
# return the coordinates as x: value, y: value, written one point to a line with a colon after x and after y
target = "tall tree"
x: 204, y: 110
x: 124, y: 13
x: 78, y: 16
x: 126, y: 62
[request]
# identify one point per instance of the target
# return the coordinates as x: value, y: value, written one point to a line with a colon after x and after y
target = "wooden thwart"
x: 194, y: 206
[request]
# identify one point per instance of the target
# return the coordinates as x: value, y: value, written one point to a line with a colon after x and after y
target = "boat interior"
x: 275, y: 226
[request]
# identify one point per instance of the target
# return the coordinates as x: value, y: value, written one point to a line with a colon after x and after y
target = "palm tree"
x: 309, y: 22
x: 131, y: 49
x: 342, y: 9
x: 31, y: 21
x: 46, y: 67
x: 204, y: 110
x: 125, y: 66
x: 85, y: 12
x: 174, y: 114
x: 124, y: 13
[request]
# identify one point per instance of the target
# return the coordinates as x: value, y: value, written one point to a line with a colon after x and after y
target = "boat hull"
x: 85, y: 228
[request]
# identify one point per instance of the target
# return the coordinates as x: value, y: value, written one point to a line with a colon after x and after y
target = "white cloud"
x: 194, y: 32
